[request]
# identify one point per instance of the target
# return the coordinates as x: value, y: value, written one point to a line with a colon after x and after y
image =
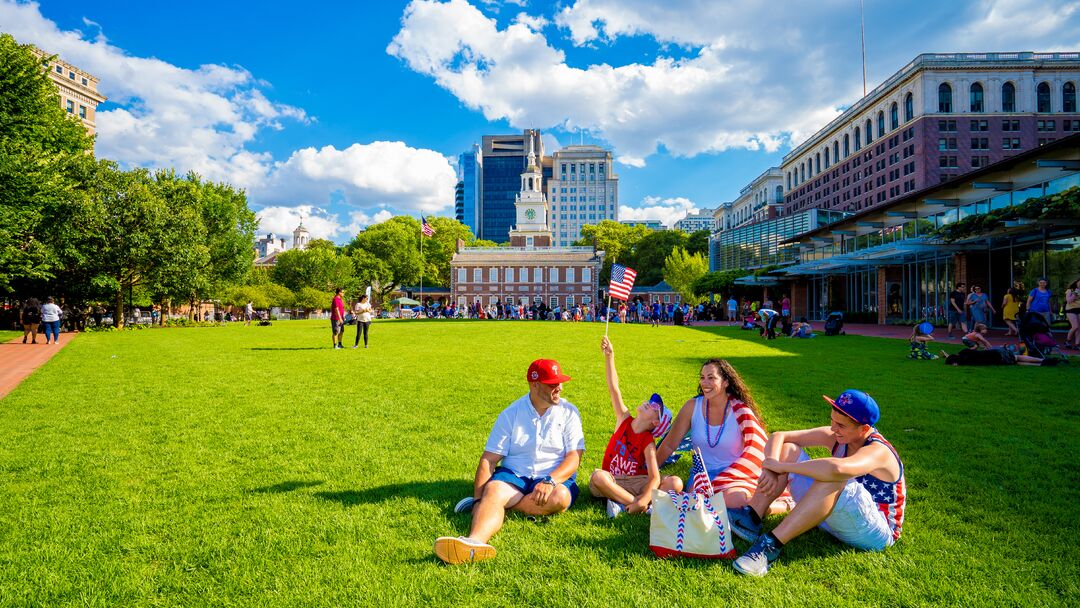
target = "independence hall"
x: 863, y: 222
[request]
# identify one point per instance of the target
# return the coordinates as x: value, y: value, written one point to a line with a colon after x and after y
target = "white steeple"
x: 300, y: 236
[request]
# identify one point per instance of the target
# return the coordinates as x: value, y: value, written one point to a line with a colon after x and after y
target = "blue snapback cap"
x: 856, y: 405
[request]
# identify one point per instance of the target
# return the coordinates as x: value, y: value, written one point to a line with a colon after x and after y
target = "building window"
x: 82, y: 111
x: 477, y: 275
x: 586, y: 275
x: 980, y: 143
x: 1012, y: 143
x: 826, y: 157
x: 909, y: 107
x: 84, y: 82
x: 570, y: 272
x: 538, y: 274
x: 59, y: 70
x: 944, y: 98
x: 1010, y: 125
x: 980, y: 125
x: 858, y: 142
x: 1042, y: 98
x: 836, y: 151
x: 847, y: 149
x: 946, y: 143
x: 976, y: 97
x: 1046, y: 125
x: 894, y: 116
x: 509, y: 275
x: 461, y: 274
x: 946, y: 126
x: 1008, y: 97
x: 1068, y: 97
x: 881, y: 124
x: 869, y: 131
x: 817, y: 163
x: 71, y: 75
x: 71, y: 107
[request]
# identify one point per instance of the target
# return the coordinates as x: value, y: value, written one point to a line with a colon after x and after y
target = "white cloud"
x: 206, y: 119
x: 533, y: 22
x: 281, y: 221
x: 382, y: 173
x: 740, y: 74
x: 667, y: 210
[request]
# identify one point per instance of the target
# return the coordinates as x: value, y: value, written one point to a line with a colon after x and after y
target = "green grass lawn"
x: 256, y: 466
x: 7, y: 335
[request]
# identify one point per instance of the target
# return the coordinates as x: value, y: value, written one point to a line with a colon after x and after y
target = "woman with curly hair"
x: 724, y: 423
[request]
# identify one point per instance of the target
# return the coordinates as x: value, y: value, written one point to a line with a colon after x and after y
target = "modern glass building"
x: 504, y: 157
x: 470, y: 192
x: 890, y: 264
x: 763, y: 244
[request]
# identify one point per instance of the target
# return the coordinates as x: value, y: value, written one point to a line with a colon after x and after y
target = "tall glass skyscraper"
x: 504, y: 159
x: 469, y: 196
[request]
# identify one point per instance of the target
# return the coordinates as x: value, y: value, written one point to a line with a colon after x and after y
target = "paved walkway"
x: 18, y: 360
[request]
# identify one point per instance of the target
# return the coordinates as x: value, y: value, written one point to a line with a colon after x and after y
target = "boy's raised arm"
x: 617, y: 404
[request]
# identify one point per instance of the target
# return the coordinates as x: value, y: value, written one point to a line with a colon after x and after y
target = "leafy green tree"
x: 395, y: 243
x: 652, y: 251
x: 487, y: 243
x: 440, y: 248
x: 321, y: 266
x: 698, y: 242
x: 722, y: 282
x: 617, y: 241
x: 124, y: 225
x: 682, y: 269
x: 309, y: 299
x: 45, y: 156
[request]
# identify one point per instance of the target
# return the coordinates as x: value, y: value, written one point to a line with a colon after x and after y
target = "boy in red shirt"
x: 629, y: 472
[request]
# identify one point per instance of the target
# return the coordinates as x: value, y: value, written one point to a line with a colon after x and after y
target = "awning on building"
x: 753, y: 281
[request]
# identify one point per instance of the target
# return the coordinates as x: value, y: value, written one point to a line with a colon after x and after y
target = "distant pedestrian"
x: 1010, y: 308
x: 337, y: 318
x: 249, y: 313
x: 957, y: 304
x: 30, y: 319
x: 733, y: 310
x: 1039, y: 301
x: 50, y: 320
x: 363, y: 311
x: 979, y: 306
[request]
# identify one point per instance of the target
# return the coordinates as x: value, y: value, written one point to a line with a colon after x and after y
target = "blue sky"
x: 348, y: 113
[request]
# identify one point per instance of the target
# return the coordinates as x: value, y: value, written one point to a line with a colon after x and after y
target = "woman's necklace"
x: 723, y: 421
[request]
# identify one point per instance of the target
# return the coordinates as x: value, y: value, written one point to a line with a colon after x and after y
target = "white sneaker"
x: 614, y: 509
x: 465, y: 504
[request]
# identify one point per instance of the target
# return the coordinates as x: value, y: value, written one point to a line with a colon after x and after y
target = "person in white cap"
x: 529, y: 464
x: 629, y: 472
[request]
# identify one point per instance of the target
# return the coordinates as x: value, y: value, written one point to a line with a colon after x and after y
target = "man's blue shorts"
x: 955, y: 318
x: 525, y: 485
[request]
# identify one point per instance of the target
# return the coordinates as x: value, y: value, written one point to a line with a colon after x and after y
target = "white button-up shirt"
x: 532, y: 445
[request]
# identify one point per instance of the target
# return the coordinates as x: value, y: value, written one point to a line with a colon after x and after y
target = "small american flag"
x: 425, y: 228
x: 622, y: 281
x: 699, y: 477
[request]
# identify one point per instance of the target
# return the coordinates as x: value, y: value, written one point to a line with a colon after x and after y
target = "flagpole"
x: 422, y: 308
x: 607, y: 312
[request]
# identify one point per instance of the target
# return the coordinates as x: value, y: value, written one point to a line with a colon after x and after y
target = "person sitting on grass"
x: 802, y: 329
x: 921, y: 335
x: 976, y: 338
x: 629, y: 472
x: 725, y: 425
x: 857, y: 495
x: 529, y: 464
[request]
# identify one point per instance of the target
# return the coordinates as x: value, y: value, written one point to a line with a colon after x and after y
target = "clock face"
x: 530, y: 214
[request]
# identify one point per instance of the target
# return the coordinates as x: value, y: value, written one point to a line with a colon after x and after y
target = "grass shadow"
x: 286, y: 486
x: 445, y: 493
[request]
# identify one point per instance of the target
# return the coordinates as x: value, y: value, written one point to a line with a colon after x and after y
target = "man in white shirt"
x: 249, y: 312
x: 529, y: 464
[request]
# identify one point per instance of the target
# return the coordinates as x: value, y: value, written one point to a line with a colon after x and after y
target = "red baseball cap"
x: 546, y: 371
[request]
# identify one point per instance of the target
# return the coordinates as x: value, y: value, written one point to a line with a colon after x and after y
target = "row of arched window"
x: 977, y: 102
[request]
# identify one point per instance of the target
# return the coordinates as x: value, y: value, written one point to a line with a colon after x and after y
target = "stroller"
x: 834, y: 324
x: 1036, y: 337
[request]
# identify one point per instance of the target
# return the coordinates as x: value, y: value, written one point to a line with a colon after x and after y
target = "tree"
x: 617, y: 241
x: 652, y: 251
x: 395, y: 243
x: 321, y: 267
x: 698, y: 242
x: 720, y: 282
x: 124, y: 226
x: 440, y: 248
x: 309, y: 299
x: 682, y: 269
x: 45, y: 155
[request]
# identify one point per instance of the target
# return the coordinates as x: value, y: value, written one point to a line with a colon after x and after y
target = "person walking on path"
x: 733, y: 310
x: 957, y: 304
x: 362, y: 311
x: 979, y: 305
x: 30, y: 319
x: 50, y: 320
x: 529, y: 464
x: 249, y: 312
x: 1010, y: 308
x: 1072, y: 311
x: 1039, y: 300
x: 337, y: 318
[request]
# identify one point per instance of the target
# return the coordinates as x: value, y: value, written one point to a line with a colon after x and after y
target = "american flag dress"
x: 890, y: 497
